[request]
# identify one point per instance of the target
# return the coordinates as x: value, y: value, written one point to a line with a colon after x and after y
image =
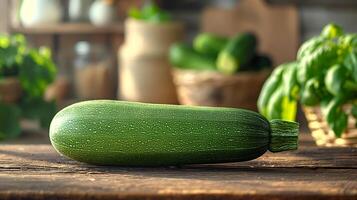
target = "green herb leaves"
x: 35, y: 70
x: 325, y: 73
x: 150, y: 13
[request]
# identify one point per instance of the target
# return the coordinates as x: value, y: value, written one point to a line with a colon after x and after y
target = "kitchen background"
x: 100, y: 54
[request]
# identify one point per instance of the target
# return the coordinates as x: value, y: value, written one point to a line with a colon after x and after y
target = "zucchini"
x: 209, y: 44
x: 108, y: 132
x: 237, y: 53
x: 185, y: 57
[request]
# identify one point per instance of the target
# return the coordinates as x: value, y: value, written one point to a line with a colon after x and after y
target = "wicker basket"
x: 323, y: 135
x: 214, y: 89
x: 10, y: 90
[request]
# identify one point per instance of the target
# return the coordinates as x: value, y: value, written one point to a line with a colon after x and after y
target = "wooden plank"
x: 97, y: 182
x: 38, y: 172
x: 69, y: 28
x: 311, y: 157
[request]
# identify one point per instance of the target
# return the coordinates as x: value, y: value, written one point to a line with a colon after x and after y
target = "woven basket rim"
x: 322, y: 134
x: 184, y: 77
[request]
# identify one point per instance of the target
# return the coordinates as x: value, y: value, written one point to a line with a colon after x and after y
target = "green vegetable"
x: 315, y: 57
x: 210, y: 44
x: 335, y: 78
x: 237, y: 53
x: 149, y: 13
x: 121, y: 133
x: 185, y: 57
x: 270, y: 85
x: 349, y: 43
x: 280, y: 106
x: 324, y: 74
x: 277, y: 97
x: 35, y: 70
x: 309, y: 94
x: 331, y: 31
x: 291, y: 87
x: 335, y: 116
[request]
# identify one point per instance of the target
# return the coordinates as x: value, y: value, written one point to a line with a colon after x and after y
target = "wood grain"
x: 37, y: 172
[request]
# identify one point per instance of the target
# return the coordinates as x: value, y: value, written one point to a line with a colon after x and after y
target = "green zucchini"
x: 107, y: 132
x: 237, y: 53
x: 209, y: 44
x: 185, y: 57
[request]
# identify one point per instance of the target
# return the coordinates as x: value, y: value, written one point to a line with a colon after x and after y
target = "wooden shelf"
x: 70, y: 28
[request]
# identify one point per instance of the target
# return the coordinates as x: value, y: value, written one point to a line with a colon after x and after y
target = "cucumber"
x: 237, y: 53
x: 185, y: 57
x: 108, y: 132
x: 209, y: 44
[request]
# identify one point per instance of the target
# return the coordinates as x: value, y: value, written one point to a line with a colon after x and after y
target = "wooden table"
x: 36, y: 171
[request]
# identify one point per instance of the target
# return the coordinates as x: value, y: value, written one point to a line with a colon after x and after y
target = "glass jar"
x: 93, y: 74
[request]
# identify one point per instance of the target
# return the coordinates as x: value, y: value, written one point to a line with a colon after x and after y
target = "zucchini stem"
x: 283, y: 135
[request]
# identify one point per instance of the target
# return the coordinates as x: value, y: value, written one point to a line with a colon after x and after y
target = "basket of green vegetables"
x: 219, y: 71
x: 25, y: 73
x: 324, y: 80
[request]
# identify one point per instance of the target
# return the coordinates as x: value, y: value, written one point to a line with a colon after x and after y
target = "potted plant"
x: 144, y: 71
x: 25, y: 73
x: 219, y: 71
x: 324, y: 80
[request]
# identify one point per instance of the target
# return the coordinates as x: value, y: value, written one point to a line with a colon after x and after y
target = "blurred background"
x: 95, y: 51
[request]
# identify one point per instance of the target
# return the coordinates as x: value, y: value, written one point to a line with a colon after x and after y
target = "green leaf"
x: 349, y: 45
x: 269, y: 87
x: 291, y: 86
x: 309, y: 93
x: 289, y: 109
x: 335, y: 116
x: 159, y: 17
x: 332, y: 31
x: 339, y: 125
x: 335, y: 79
x: 9, y: 121
x: 37, y: 72
x: 150, y: 9
x: 274, y: 107
x: 150, y: 12
x: 135, y: 13
x: 280, y: 106
x: 315, y: 56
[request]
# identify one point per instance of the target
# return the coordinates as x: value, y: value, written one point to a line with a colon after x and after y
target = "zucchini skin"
x: 237, y: 53
x: 209, y: 44
x: 184, y: 56
x: 106, y: 132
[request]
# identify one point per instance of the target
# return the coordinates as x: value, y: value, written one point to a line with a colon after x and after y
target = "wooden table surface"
x: 36, y: 171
